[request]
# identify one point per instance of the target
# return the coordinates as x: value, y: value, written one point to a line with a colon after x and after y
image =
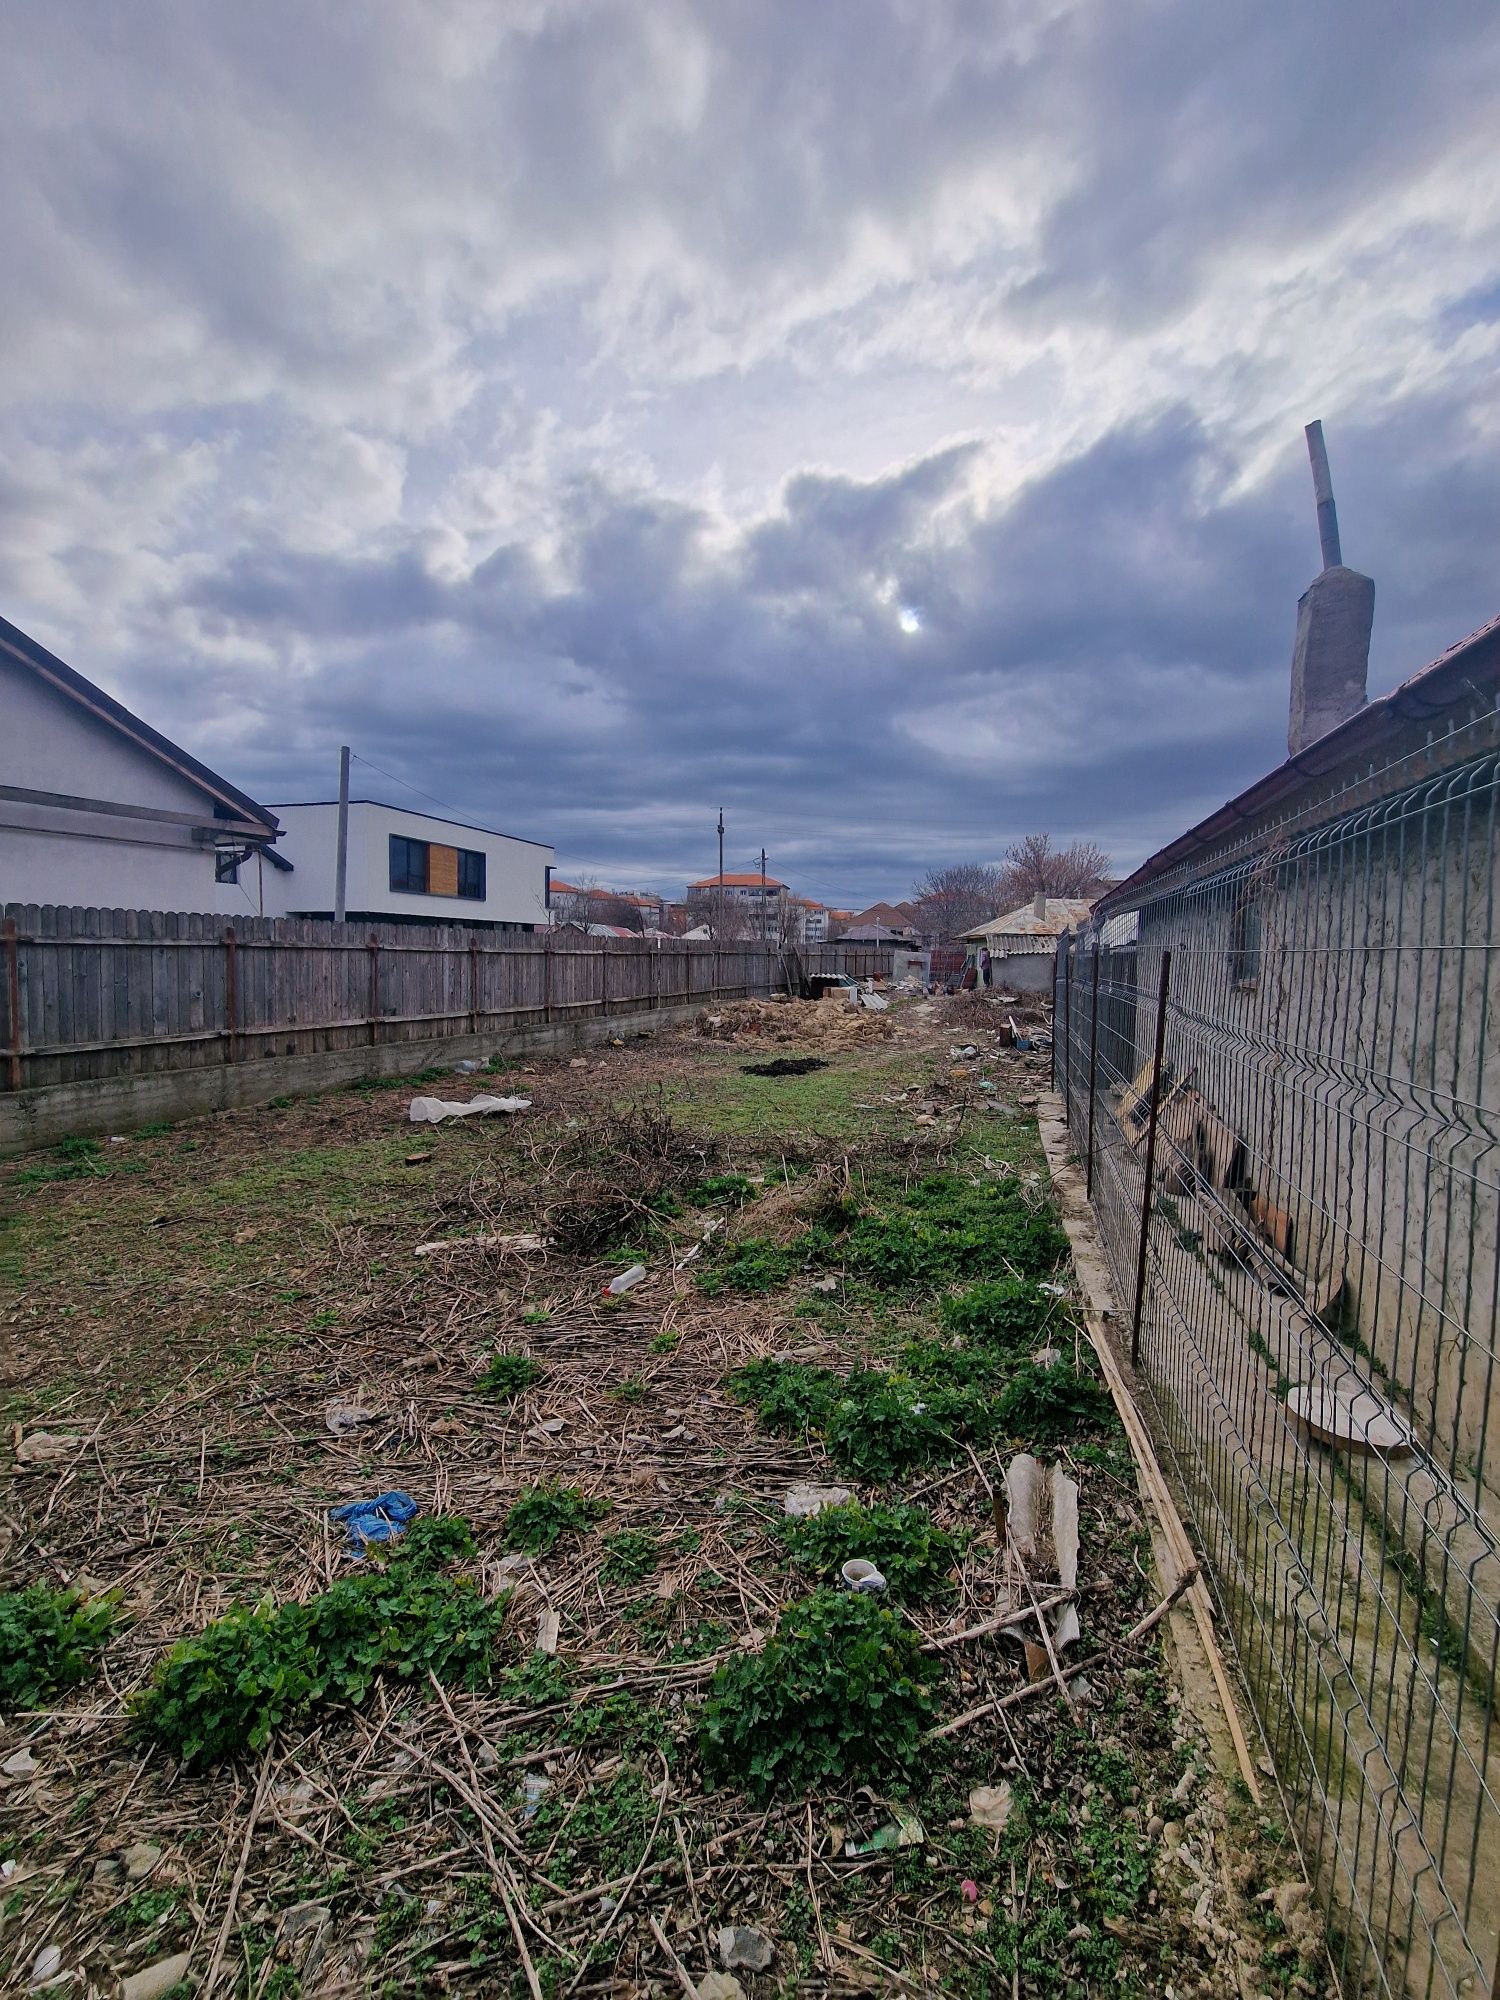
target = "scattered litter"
x: 627, y: 1280
x: 739, y: 1945
x: 578, y: 1062
x: 964, y: 1054
x: 804, y: 1499
x: 117, y: 1139
x: 990, y: 1805
x: 969, y: 1889
x: 863, y: 1576
x: 877, y: 1002
x: 824, y: 1285
x: 1057, y: 1291
x: 432, y: 1110
x: 550, y: 1426
x: 534, y: 1789
x: 140, y: 1859
x: 1344, y: 1413
x: 152, y: 1981
x: 418, y: 1159
x: 20, y: 1764
x: 1041, y: 1505
x: 343, y: 1419
x: 465, y: 1068
x: 905, y: 1830
x: 379, y: 1520
x: 46, y: 1964
x: 785, y: 1066
x: 40, y: 1447
x: 548, y: 1632
x: 523, y: 1246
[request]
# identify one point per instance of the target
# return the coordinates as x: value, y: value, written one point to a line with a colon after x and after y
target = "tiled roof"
x: 738, y: 882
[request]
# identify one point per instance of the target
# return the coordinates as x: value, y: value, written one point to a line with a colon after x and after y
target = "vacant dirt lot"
x: 561, y: 1751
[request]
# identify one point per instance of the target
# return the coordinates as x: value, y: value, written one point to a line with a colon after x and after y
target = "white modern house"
x: 98, y: 809
x: 402, y: 866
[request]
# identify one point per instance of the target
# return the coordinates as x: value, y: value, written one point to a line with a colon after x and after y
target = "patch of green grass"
x: 755, y: 1264
x: 230, y: 1687
x: 631, y: 1555
x: 840, y: 1691
x: 1053, y: 1405
x: 631, y: 1390
x: 510, y: 1375
x: 49, y: 1640
x: 666, y: 1341
x: 720, y: 1191
x: 1006, y: 1315
x: 789, y: 1397
x: 947, y: 1228
x: 544, y: 1514
x: 73, y: 1159
x: 914, y: 1555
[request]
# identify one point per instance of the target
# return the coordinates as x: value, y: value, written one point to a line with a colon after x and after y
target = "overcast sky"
x: 883, y: 419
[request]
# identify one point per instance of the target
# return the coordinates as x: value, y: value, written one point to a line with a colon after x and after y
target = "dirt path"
x: 187, y: 1307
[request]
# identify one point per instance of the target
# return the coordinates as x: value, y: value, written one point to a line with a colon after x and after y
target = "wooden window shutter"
x: 442, y: 871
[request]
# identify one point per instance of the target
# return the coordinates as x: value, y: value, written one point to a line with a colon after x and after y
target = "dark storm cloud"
x: 881, y: 420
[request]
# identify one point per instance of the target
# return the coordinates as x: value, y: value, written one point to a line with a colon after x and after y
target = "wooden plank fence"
x: 89, y: 994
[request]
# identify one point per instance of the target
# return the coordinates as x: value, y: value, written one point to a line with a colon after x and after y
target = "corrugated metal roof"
x: 1060, y: 914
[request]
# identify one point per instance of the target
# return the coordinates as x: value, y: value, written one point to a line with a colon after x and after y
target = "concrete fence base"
x: 31, y: 1118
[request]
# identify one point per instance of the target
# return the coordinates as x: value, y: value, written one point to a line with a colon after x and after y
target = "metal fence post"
x: 1067, y: 1067
x: 1093, y: 1068
x: 1140, y: 1262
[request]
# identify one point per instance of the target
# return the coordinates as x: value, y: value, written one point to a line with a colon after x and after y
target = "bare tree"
x: 575, y: 904
x: 1033, y: 866
x: 957, y: 899
x: 615, y: 910
x: 735, y: 922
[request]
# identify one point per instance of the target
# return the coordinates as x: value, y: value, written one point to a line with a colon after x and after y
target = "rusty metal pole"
x: 1067, y: 1070
x: 231, y: 994
x: 1140, y: 1262
x: 1093, y: 1068
x: 13, y: 990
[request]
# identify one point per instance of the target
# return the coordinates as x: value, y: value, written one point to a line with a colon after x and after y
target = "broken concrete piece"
x: 432, y: 1110
x: 739, y: 1945
x: 140, y: 1859
x: 720, y: 1986
x: 524, y: 1246
x: 46, y: 1965
x: 548, y: 1631
x: 154, y: 1980
x: 343, y: 1419
x: 804, y: 1499
x: 20, y: 1764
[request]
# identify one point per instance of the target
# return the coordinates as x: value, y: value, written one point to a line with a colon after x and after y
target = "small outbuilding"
x: 1022, y: 943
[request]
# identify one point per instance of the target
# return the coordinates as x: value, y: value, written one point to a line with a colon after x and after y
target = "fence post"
x: 13, y: 989
x: 1056, y: 984
x: 231, y: 994
x: 1093, y: 1068
x: 603, y: 978
x: 1067, y: 1066
x: 473, y: 986
x: 651, y: 979
x: 1140, y: 1262
x: 547, y: 950
x: 373, y: 948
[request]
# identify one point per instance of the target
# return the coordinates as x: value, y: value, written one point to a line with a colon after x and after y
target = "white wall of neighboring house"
x: 57, y: 853
x: 515, y: 870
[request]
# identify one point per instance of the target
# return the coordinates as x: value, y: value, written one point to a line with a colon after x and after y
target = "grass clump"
x: 48, y: 1642
x: 510, y: 1375
x: 1052, y: 1405
x: 544, y: 1514
x: 631, y: 1555
x: 230, y: 1687
x: 946, y: 1229
x: 839, y: 1692
x: 789, y: 1397
x: 755, y: 1264
x: 876, y: 1425
x: 719, y: 1191
x: 75, y: 1159
x: 1007, y: 1315
x: 915, y: 1556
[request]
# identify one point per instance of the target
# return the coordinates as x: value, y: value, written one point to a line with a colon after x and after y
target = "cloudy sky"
x: 883, y: 417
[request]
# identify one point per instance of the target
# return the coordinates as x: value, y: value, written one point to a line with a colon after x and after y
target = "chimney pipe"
x: 1039, y: 906
x: 1331, y: 655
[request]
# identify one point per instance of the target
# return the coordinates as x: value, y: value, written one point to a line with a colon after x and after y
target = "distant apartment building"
x: 809, y: 920
x: 758, y: 903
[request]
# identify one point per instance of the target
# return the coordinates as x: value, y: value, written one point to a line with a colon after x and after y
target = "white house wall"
x: 52, y: 855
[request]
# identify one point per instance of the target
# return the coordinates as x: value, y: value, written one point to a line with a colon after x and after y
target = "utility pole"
x: 341, y: 865
x: 719, y: 899
x: 762, y: 895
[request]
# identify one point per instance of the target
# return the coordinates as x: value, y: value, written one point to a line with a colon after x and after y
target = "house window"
x: 1244, y: 949
x: 427, y: 868
x: 471, y: 874
x: 227, y: 864
x: 408, y: 866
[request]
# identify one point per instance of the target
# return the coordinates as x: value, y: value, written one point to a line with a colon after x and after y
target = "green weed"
x: 755, y: 1264
x: 48, y: 1640
x: 1053, y: 1405
x: 544, y: 1514
x: 916, y: 1557
x: 631, y: 1555
x: 509, y: 1375
x: 840, y: 1691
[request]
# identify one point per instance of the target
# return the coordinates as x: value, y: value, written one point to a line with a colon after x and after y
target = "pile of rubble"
x: 829, y: 1023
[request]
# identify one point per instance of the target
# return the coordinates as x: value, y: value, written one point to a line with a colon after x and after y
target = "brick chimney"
x: 1039, y: 906
x: 1331, y: 656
